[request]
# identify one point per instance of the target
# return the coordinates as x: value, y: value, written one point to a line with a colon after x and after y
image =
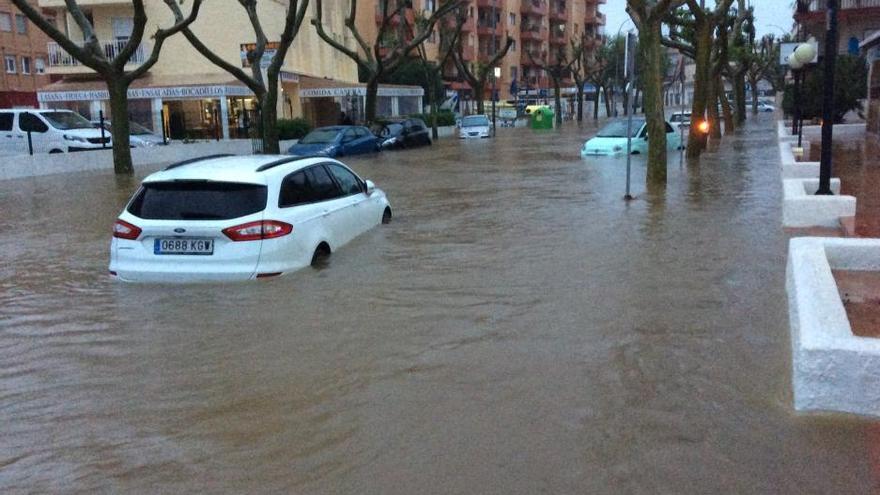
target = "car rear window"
x: 197, y: 200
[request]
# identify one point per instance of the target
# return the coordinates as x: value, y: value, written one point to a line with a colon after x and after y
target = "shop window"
x: 21, y: 24
x: 5, y: 22
x: 25, y: 65
x: 9, y: 62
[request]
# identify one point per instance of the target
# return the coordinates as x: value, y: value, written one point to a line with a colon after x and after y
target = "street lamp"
x: 802, y: 57
x: 496, y: 73
x: 828, y: 99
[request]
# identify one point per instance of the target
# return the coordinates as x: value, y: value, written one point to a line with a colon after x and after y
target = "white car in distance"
x: 228, y: 218
x: 475, y: 127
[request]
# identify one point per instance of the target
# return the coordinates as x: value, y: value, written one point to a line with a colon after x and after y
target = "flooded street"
x: 517, y: 329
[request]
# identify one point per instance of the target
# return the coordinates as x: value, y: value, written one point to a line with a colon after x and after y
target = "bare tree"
x: 265, y: 91
x: 694, y: 38
x: 648, y: 17
x: 557, y: 70
x: 110, y: 64
x: 477, y: 75
x: 386, y: 52
x: 580, y: 71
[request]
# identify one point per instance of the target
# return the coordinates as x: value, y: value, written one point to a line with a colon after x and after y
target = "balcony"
x: 394, y: 20
x: 558, y: 11
x: 538, y: 56
x: 534, y: 7
x: 486, y: 29
x: 60, y: 4
x: 532, y: 33
x: 814, y: 10
x: 469, y: 25
x: 488, y: 4
x: 600, y: 18
x: 61, y: 62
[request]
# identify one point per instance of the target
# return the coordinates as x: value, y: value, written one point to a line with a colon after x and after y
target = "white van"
x: 52, y: 131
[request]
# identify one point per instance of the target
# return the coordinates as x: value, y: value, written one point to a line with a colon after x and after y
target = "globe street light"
x: 802, y: 57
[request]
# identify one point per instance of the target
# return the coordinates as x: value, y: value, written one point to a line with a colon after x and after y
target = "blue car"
x: 335, y: 141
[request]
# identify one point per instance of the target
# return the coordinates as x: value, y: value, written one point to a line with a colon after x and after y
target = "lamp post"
x: 803, y: 54
x: 795, y: 64
x: 828, y: 99
x: 496, y: 73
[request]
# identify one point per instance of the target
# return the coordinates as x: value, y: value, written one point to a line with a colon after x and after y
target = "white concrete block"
x: 832, y: 369
x: 802, y: 208
x: 783, y: 132
x: 793, y: 169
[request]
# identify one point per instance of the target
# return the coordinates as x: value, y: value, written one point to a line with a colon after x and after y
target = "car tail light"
x: 254, y: 231
x: 125, y: 230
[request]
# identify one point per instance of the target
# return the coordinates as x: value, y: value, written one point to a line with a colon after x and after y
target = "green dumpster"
x: 542, y: 118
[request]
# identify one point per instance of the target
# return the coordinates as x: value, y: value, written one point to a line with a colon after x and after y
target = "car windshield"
x: 197, y: 200
x: 618, y: 129
x: 680, y: 117
x: 67, y: 120
x: 392, y: 129
x: 475, y: 121
x: 320, y: 136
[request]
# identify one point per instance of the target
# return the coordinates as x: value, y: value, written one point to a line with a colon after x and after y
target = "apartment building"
x: 538, y: 28
x: 23, y: 50
x: 856, y: 21
x: 184, y: 94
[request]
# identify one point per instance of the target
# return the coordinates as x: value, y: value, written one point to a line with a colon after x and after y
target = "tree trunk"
x: 479, y: 89
x: 703, y: 42
x: 729, y: 119
x: 607, y: 102
x: 121, y: 130
x: 652, y: 82
x: 580, y: 101
x: 429, y: 98
x: 739, y: 96
x: 753, y: 81
x: 596, y: 104
x: 370, y: 104
x: 712, y: 110
x: 269, y: 120
x: 557, y: 97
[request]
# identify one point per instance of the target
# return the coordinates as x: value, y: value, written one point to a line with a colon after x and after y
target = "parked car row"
x: 611, y: 140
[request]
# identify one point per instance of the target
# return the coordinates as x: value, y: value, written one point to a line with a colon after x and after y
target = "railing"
x: 822, y: 5
x: 58, y: 57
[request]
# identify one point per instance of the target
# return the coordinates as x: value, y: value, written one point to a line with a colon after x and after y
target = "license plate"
x: 174, y: 245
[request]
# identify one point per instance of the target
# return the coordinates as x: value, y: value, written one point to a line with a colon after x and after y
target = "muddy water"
x: 517, y: 329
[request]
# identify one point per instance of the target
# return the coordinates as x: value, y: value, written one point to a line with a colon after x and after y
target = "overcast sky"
x: 771, y: 16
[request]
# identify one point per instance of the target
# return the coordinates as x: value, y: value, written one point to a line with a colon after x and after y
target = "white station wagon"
x: 225, y: 218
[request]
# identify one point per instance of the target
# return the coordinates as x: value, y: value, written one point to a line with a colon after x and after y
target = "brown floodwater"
x: 518, y: 328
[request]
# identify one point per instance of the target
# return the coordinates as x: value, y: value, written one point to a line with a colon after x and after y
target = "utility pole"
x: 828, y: 99
x: 494, y: 74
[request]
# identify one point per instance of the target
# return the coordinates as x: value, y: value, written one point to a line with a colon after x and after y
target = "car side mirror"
x: 368, y: 184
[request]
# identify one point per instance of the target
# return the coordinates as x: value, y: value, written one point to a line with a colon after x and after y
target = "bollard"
x: 164, y: 136
x: 30, y: 144
x: 101, y: 123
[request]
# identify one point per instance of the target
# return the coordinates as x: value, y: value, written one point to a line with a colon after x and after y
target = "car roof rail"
x: 289, y: 159
x: 197, y: 159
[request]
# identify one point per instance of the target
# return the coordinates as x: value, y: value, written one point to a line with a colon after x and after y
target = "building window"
x: 512, y: 19
x: 513, y: 45
x: 21, y: 24
x: 40, y: 65
x: 9, y: 62
x: 25, y: 65
x: 5, y: 22
x: 513, y: 73
x: 430, y: 5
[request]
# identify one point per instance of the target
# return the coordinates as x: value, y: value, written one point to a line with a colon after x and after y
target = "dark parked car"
x: 404, y: 134
x: 338, y: 140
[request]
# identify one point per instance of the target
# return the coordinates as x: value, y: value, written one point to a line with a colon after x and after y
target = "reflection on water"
x: 518, y: 329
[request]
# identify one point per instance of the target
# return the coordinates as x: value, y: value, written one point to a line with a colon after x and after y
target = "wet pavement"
x: 518, y: 328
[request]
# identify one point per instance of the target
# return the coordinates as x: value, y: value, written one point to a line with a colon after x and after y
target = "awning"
x: 870, y: 41
x: 166, y: 87
x: 316, y: 87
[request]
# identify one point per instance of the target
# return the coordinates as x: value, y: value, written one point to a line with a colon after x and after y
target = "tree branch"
x: 161, y: 35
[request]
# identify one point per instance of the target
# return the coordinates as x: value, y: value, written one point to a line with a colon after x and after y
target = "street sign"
x: 248, y: 48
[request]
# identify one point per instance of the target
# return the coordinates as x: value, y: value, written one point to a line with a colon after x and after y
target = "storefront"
x: 324, y: 100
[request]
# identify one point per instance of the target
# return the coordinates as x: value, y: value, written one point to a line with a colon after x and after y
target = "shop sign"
x: 147, y: 93
x: 288, y: 77
x: 268, y: 54
x: 357, y: 91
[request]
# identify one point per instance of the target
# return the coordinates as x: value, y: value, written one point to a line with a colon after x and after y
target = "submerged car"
x: 763, y: 106
x: 611, y: 139
x: 334, y: 141
x: 681, y: 119
x: 139, y: 136
x: 475, y: 127
x: 407, y: 133
x: 228, y: 218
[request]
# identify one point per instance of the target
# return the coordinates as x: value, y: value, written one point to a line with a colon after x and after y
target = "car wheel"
x: 55, y: 151
x: 321, y: 255
x: 386, y: 216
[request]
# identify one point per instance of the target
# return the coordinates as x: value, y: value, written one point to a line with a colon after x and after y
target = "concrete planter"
x: 802, y: 208
x: 832, y: 369
x: 793, y: 169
